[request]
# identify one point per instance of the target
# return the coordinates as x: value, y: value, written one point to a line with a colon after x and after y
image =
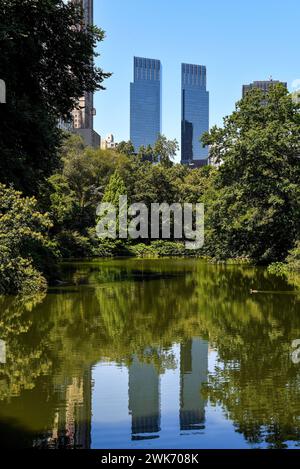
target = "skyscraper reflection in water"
x: 71, y: 428
x: 193, y: 373
x: 144, y: 402
x: 144, y: 392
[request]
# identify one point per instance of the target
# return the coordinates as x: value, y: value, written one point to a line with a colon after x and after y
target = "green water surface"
x: 172, y: 353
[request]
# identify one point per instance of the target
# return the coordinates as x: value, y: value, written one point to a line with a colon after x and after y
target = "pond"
x: 138, y: 353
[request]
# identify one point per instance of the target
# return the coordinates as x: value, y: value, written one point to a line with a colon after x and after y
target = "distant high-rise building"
x: 145, y: 102
x: 261, y: 85
x: 194, y: 115
x: 108, y: 143
x: 83, y: 114
x: 296, y: 96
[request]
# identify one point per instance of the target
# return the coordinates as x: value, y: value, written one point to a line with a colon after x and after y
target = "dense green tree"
x: 146, y: 153
x: 62, y: 201
x: 196, y: 184
x: 24, y: 243
x: 76, y: 190
x: 115, y: 188
x: 126, y: 148
x: 88, y: 176
x: 165, y: 150
x: 128, y: 169
x: 47, y: 64
x: 155, y: 184
x: 293, y: 258
x: 254, y: 208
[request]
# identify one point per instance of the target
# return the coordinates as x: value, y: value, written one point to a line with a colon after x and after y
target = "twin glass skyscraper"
x: 145, y: 102
x: 194, y: 114
x: 145, y: 108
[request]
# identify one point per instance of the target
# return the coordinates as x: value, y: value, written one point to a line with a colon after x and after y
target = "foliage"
x: 88, y: 177
x: 62, y: 200
x: 197, y: 183
x: 165, y: 150
x: 146, y: 153
x: 76, y: 245
x: 115, y: 189
x: 46, y: 63
x: 290, y: 268
x: 73, y: 244
x: 155, y: 184
x: 126, y: 148
x: 253, y: 208
x: 24, y: 243
x: 278, y: 268
x: 250, y: 200
x: 293, y: 259
x: 162, y: 248
x: 74, y: 192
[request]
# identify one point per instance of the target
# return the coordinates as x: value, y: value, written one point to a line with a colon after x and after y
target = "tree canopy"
x: 23, y: 241
x: 254, y: 209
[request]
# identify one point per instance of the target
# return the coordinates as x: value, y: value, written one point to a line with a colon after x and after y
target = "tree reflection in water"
x: 132, y: 312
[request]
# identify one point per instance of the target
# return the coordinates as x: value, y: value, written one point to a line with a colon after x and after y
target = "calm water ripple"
x: 152, y: 354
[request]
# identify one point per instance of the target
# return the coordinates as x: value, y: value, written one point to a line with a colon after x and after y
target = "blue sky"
x: 239, y: 41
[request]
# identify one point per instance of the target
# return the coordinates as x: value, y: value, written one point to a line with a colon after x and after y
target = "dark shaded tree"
x: 126, y: 148
x: 254, y: 207
x: 47, y: 64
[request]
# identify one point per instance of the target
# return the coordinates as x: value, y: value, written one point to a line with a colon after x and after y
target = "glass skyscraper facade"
x: 195, y: 114
x: 145, y: 102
